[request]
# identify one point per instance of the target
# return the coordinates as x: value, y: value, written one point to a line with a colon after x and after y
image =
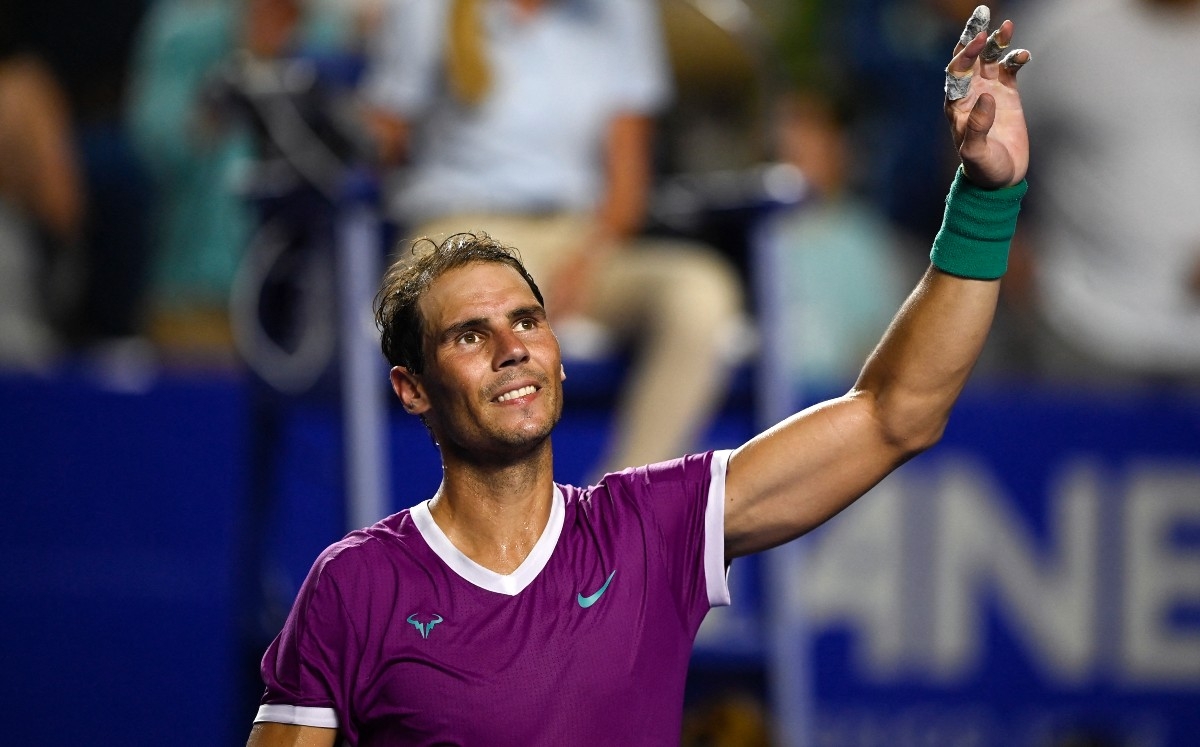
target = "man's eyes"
x: 526, y: 324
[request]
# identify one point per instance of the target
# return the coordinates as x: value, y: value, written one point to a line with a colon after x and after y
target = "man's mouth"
x: 514, y: 394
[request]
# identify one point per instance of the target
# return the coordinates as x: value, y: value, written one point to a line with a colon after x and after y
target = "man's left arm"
x: 793, y: 477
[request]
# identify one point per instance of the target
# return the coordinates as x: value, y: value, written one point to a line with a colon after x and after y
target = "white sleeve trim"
x: 716, y: 573
x: 298, y: 715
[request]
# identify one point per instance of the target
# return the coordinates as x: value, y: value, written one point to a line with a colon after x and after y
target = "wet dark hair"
x: 401, y: 327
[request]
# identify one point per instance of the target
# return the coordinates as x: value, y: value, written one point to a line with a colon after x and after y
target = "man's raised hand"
x: 982, y: 104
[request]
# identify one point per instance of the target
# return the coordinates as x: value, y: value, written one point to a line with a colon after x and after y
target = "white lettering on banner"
x: 1158, y: 576
x: 913, y: 568
x: 856, y: 578
x: 984, y: 546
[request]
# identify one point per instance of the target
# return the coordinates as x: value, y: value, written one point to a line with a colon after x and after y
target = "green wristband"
x: 977, y: 229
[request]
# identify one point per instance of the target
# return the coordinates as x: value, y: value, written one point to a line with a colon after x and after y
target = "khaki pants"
x: 678, y: 302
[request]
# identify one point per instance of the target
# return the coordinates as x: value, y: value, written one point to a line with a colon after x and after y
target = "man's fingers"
x: 1015, y: 59
x: 957, y: 86
x: 963, y: 62
x: 993, y: 53
x: 1011, y: 62
x: 979, y: 21
x: 962, y: 68
x: 995, y: 47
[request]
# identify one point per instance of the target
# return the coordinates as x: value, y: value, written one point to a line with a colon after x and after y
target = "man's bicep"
x: 271, y: 734
x: 794, y: 476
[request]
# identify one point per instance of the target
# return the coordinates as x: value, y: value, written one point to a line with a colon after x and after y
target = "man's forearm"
x: 923, y: 361
x: 925, y: 357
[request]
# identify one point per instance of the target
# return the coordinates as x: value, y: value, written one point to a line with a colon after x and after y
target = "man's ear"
x: 409, y: 390
x: 562, y: 372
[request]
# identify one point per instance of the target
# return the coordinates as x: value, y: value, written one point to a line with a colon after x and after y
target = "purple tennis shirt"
x: 397, y: 638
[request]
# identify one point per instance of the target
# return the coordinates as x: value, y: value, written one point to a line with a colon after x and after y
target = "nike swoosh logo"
x: 591, y: 599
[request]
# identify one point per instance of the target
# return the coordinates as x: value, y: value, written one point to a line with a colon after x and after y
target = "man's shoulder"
x: 391, y: 536
x: 688, y: 467
x: 635, y: 482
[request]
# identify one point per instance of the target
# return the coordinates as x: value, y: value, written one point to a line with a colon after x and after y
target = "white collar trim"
x: 511, y: 584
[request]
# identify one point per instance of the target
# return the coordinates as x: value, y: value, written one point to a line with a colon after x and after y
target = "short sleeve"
x: 642, y: 67
x: 686, y: 500
x: 308, y: 668
x: 404, y: 56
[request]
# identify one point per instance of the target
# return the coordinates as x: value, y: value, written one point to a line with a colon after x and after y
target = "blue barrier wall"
x: 118, y: 577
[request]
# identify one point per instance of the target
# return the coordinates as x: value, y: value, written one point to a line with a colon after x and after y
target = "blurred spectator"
x: 532, y: 120
x: 88, y: 45
x: 198, y: 160
x: 837, y: 266
x: 887, y: 52
x: 41, y: 205
x: 199, y: 223
x: 1115, y: 231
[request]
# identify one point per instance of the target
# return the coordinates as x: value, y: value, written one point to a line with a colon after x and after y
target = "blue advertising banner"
x: 1032, y: 581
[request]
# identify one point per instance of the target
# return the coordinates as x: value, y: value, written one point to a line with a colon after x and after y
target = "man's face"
x: 492, y: 385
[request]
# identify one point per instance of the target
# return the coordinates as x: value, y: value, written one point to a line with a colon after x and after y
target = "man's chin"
x: 506, y: 442
x: 529, y: 435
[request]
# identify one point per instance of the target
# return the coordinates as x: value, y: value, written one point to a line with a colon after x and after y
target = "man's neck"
x: 495, y: 514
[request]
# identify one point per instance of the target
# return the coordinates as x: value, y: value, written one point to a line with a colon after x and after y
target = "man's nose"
x: 510, y: 350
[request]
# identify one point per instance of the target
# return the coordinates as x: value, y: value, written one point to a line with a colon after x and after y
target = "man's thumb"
x: 979, y: 122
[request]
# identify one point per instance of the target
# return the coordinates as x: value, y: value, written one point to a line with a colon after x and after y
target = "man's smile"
x: 515, y: 393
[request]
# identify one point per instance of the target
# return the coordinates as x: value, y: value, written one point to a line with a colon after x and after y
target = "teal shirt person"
x: 201, y: 222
